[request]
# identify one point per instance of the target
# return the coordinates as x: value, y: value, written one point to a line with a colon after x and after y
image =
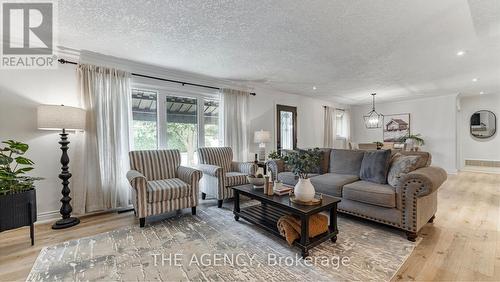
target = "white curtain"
x: 236, y: 122
x: 330, y: 127
x: 347, y: 121
x: 106, y: 95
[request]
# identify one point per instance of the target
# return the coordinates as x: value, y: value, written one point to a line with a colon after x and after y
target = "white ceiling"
x: 347, y: 49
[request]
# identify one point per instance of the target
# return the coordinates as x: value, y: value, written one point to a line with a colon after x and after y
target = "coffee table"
x: 271, y: 208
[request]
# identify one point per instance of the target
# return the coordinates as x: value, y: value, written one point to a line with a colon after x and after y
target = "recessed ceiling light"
x: 481, y: 93
x: 314, y: 87
x: 475, y: 79
x: 461, y: 53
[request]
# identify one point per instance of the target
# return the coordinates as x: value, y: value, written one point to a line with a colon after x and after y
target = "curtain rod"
x: 338, y: 109
x: 63, y: 61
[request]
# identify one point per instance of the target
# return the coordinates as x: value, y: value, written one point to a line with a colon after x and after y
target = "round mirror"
x: 483, y: 124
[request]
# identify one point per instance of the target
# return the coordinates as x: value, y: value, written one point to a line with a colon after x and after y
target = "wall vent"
x: 482, y: 163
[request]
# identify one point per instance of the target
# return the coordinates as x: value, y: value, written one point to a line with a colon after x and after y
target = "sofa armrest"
x: 244, y: 167
x: 211, y: 170
x: 275, y: 167
x: 416, y: 208
x: 424, y: 181
x: 139, y: 184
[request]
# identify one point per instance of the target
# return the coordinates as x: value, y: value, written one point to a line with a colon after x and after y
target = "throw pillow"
x: 401, y: 165
x: 375, y: 166
x: 346, y: 161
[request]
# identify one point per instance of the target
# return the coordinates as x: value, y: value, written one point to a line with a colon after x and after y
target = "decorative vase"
x: 304, y: 190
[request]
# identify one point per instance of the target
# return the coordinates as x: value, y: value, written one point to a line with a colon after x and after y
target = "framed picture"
x: 396, y: 126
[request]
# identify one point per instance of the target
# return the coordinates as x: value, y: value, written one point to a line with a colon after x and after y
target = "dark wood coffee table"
x: 271, y: 208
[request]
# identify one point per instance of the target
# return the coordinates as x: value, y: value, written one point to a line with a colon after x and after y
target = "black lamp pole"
x: 65, y: 175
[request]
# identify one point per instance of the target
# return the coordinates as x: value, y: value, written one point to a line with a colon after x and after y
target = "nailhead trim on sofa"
x: 370, y: 218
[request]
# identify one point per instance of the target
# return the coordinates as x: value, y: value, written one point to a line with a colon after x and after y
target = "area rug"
x: 213, y: 246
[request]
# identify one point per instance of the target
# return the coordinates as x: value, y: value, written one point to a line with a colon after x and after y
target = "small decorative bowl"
x: 256, y: 182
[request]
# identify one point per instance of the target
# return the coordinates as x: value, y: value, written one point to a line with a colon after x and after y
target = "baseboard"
x: 481, y: 169
x: 44, y: 217
x: 452, y: 171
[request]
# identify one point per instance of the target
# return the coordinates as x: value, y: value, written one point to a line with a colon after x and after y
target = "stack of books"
x: 284, y: 190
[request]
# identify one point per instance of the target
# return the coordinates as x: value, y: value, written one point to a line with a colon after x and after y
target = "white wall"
x: 309, y: 117
x: 434, y: 118
x: 21, y: 91
x: 475, y: 148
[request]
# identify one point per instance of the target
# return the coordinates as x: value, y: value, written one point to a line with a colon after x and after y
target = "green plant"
x: 13, y: 167
x: 274, y: 155
x: 379, y: 144
x: 417, y: 137
x: 303, y: 162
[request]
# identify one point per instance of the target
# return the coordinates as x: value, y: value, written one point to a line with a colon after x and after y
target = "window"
x: 286, y: 121
x: 212, y: 123
x: 164, y: 118
x: 144, y: 120
x: 182, y: 127
x: 286, y: 130
x: 341, y: 124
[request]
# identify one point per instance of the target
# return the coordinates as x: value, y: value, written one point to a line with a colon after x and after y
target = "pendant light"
x: 373, y: 119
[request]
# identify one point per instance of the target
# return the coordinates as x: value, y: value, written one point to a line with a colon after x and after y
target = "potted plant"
x: 17, y: 190
x: 413, y: 141
x: 379, y: 144
x: 302, y: 163
x: 274, y: 155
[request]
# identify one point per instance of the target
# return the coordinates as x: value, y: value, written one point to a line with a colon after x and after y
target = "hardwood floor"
x: 463, y: 243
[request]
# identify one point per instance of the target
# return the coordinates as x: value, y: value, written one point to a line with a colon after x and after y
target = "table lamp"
x: 55, y: 117
x: 262, y: 137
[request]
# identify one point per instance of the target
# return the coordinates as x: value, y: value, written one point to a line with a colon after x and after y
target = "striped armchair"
x: 220, y: 173
x: 160, y: 184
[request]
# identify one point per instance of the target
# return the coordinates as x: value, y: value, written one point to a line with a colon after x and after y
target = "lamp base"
x: 65, y: 175
x: 262, y: 154
x: 65, y: 223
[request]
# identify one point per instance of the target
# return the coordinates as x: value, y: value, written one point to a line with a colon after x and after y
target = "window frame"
x: 131, y: 117
x: 165, y: 89
x: 341, y: 132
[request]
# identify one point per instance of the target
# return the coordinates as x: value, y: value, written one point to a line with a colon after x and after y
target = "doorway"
x: 286, y: 121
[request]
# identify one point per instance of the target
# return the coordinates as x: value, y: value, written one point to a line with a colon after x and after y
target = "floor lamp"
x: 54, y: 117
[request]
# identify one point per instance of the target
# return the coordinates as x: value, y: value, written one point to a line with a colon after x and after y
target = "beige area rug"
x: 213, y: 246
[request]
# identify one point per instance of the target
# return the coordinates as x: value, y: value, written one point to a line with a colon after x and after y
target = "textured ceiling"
x: 347, y: 49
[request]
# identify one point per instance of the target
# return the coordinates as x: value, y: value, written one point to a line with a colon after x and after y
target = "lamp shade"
x: 262, y: 136
x: 56, y: 117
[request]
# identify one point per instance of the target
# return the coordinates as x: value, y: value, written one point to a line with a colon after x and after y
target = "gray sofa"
x: 408, y: 206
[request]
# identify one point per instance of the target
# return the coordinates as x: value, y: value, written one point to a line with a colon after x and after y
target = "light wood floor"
x: 463, y: 243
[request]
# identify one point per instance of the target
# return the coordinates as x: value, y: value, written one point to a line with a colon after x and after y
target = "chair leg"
x: 142, y: 221
x: 203, y: 196
x: 193, y: 210
x: 219, y: 204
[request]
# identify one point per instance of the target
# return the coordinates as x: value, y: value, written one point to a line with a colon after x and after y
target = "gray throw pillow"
x: 375, y: 166
x: 401, y: 165
x: 346, y: 161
